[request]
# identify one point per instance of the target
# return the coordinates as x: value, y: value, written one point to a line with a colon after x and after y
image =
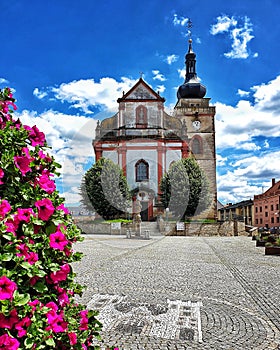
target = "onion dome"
x: 191, y: 88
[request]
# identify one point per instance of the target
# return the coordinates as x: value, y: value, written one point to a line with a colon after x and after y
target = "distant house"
x: 267, y: 206
x: 241, y: 211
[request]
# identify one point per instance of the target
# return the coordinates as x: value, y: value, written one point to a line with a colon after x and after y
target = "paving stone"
x: 178, y: 293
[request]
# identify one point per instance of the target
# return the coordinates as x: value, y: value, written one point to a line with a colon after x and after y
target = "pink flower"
x: 31, y: 258
x: 53, y: 306
x: 46, y: 183
x: 34, y: 304
x: 9, y: 321
x: 24, y: 214
x: 22, y: 325
x: 45, y: 208
x: 84, y: 320
x: 63, y: 298
x: 61, y: 274
x: 8, y: 343
x: 58, y: 240
x: 23, y: 162
x: 42, y: 155
x: 12, y: 224
x: 73, y: 338
x: 7, y: 288
x: 56, y: 322
x: 4, y: 208
x: 1, y: 176
x: 23, y: 250
x: 36, y: 137
x: 62, y: 207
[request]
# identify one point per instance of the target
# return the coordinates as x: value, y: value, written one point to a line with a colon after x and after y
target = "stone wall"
x: 227, y: 228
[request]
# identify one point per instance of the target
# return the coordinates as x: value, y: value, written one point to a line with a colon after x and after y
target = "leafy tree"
x: 185, y: 189
x: 107, y: 189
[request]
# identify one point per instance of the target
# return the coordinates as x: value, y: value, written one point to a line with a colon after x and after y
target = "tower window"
x: 141, y: 170
x: 196, y: 146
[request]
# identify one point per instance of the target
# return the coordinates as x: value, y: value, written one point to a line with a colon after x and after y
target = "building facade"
x: 267, y: 206
x: 144, y: 140
x: 242, y: 211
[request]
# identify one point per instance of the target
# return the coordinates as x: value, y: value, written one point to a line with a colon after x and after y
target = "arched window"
x: 141, y: 117
x: 141, y: 170
x: 196, y: 145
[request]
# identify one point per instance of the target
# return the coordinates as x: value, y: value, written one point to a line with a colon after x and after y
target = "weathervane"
x: 141, y: 74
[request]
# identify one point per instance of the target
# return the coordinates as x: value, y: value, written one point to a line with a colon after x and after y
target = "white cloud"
x: 3, y: 81
x: 160, y: 88
x: 243, y: 93
x: 171, y: 59
x: 180, y: 21
x: 39, y: 94
x: 182, y: 73
x: 223, y: 24
x: 239, y: 31
x: 83, y: 94
x: 267, y: 96
x: 158, y: 75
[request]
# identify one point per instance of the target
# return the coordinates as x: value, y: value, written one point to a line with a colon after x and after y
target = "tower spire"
x: 191, y: 88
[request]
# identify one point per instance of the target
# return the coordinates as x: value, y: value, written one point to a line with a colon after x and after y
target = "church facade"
x: 144, y: 140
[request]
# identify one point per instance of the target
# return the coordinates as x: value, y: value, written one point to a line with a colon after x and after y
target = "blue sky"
x: 68, y: 62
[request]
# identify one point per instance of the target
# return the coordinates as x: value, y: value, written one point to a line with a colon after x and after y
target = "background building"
x: 266, y: 206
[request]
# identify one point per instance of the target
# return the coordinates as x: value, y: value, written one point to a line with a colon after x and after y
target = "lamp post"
x: 166, y: 212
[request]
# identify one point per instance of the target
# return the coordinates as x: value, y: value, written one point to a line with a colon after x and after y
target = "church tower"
x: 193, y: 109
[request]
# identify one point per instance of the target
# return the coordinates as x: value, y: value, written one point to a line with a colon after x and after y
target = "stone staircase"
x: 150, y: 226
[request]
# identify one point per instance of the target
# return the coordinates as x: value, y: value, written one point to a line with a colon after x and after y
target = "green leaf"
x: 50, y: 342
x: 21, y: 299
x: 6, y: 257
x: 28, y: 343
x: 40, y: 287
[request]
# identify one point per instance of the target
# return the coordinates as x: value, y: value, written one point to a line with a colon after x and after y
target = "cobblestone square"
x: 182, y: 292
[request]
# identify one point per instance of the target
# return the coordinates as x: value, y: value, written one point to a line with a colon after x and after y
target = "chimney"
x: 273, y: 182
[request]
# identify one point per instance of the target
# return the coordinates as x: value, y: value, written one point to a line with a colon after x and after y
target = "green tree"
x: 107, y: 189
x: 185, y: 189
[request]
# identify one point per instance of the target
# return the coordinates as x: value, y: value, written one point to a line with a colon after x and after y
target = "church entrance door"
x: 144, y: 211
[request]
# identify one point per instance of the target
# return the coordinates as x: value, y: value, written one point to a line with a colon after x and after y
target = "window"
x: 141, y: 170
x: 260, y: 209
x: 266, y: 214
x: 260, y: 221
x: 141, y: 117
x: 272, y: 220
x: 256, y: 209
x: 196, y: 145
x: 271, y: 208
x: 257, y: 221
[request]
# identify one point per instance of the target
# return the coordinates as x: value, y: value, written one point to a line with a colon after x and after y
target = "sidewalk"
x: 182, y: 292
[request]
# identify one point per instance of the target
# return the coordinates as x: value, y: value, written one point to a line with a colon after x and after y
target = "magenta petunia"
x: 58, y: 240
x: 22, y: 326
x: 46, y: 183
x: 7, y: 288
x: 72, y: 338
x: 45, y: 208
x: 23, y: 162
x: 56, y: 322
x: 63, y: 208
x: 9, y: 321
x: 84, y: 320
x: 36, y: 137
x: 24, y: 214
x: 5, y: 208
x: 8, y: 343
x: 61, y: 274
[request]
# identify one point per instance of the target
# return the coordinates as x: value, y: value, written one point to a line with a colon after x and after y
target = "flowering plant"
x: 37, y: 286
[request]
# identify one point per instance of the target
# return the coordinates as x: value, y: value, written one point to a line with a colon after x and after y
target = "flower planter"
x: 260, y: 243
x: 272, y: 250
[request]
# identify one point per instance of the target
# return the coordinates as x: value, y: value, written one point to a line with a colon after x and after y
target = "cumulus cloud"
x: 243, y: 93
x: 239, y: 30
x: 171, y: 59
x: 245, y: 135
x: 158, y: 75
x: 84, y: 94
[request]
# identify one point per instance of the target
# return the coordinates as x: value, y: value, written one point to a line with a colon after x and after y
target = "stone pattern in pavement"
x: 234, y: 287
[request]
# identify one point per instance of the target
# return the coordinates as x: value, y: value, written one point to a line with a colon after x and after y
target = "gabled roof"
x: 141, y: 91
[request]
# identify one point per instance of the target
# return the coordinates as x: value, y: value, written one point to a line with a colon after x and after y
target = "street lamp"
x: 166, y: 212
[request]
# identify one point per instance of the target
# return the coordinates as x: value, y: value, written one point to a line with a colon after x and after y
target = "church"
x: 144, y: 140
